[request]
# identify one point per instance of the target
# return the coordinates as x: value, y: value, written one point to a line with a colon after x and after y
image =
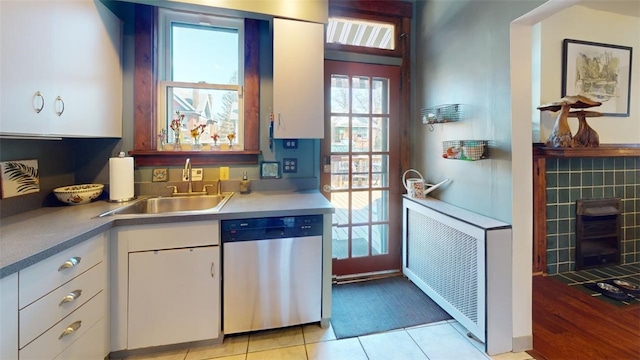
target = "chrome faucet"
x: 187, y: 169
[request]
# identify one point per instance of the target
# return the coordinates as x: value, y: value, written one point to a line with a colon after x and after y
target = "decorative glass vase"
x: 177, y: 145
x: 196, y: 144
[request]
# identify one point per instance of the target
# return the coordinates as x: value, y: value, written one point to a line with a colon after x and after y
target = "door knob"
x: 326, y: 188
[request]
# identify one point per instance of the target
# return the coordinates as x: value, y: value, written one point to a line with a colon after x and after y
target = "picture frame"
x: 19, y: 177
x: 160, y: 175
x: 601, y: 72
x: 270, y: 170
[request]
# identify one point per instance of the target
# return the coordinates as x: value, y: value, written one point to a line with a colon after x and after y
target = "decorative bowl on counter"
x: 78, y: 194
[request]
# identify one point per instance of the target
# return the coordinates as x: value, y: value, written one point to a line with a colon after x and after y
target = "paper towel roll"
x: 121, y: 179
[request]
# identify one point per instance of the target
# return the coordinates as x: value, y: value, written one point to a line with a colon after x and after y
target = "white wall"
x: 582, y: 23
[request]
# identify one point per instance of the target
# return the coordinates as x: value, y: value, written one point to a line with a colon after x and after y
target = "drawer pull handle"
x: 70, y: 297
x: 71, y: 329
x: 70, y: 263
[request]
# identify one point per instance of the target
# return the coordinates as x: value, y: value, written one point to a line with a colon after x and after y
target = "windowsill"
x: 171, y: 158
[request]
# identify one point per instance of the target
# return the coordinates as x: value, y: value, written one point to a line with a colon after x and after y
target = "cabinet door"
x: 87, y: 68
x: 25, y: 46
x: 298, y: 75
x: 67, y: 49
x: 174, y: 296
x: 9, y: 317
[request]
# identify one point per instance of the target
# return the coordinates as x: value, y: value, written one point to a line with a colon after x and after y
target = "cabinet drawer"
x: 39, y: 316
x: 39, y: 279
x: 87, y: 346
x: 52, y: 342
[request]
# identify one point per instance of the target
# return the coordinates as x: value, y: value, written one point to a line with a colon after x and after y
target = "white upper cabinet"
x: 61, y: 69
x: 298, y: 79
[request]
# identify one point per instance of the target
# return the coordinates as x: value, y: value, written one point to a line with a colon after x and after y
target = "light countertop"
x: 28, y: 238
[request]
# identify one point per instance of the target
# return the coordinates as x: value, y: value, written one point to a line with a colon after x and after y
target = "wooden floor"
x: 570, y: 324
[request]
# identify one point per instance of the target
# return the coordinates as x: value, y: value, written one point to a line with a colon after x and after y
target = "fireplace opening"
x: 597, y: 233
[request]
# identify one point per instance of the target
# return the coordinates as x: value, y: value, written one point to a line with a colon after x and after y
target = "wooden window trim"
x: 145, y: 100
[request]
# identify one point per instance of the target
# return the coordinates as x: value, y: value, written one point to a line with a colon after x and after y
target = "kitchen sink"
x: 161, y: 205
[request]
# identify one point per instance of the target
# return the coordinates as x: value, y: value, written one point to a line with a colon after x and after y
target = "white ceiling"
x: 623, y: 7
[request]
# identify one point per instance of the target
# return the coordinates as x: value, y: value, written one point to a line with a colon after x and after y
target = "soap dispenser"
x: 244, y: 184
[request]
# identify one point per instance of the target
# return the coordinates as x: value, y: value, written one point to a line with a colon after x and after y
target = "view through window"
x: 201, y: 69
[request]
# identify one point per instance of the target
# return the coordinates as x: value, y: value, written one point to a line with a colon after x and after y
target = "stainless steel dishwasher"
x: 272, y: 272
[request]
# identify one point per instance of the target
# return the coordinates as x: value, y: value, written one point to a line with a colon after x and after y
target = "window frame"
x: 145, y: 99
x: 167, y: 18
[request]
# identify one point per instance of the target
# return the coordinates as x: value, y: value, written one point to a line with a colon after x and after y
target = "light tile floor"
x: 444, y: 340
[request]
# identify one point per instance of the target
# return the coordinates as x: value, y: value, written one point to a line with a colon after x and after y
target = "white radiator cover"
x: 462, y: 261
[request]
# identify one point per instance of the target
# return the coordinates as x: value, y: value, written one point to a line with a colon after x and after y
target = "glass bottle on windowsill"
x: 177, y: 145
x: 196, y: 144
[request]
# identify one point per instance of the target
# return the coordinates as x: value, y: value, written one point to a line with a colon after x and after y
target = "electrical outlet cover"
x: 290, y: 165
x: 290, y: 143
x: 197, y: 174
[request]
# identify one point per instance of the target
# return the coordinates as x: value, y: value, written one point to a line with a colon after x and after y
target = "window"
x: 201, y: 70
x: 359, y: 32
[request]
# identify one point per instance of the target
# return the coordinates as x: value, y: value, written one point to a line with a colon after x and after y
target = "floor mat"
x: 586, y: 281
x: 380, y: 305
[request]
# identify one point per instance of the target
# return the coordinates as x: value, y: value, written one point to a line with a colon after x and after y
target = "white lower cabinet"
x: 85, y: 348
x: 9, y: 317
x: 173, y: 296
x: 165, y: 284
x: 36, y: 318
x: 62, y: 298
x: 66, y: 332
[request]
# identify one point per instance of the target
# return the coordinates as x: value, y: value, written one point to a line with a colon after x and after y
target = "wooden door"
x: 361, y: 165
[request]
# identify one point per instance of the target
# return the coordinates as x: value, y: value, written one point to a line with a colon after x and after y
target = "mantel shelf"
x: 605, y: 150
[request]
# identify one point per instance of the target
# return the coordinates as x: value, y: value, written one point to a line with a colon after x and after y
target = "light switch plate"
x: 224, y: 173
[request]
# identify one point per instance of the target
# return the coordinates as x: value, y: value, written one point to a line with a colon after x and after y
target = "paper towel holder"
x: 121, y: 155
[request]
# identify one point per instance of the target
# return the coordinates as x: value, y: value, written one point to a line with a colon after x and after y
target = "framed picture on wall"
x: 270, y: 170
x: 601, y: 72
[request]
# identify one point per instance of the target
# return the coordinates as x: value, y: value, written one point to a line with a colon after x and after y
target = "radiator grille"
x: 446, y: 260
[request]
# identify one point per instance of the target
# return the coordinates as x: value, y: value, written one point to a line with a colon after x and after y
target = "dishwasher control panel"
x: 271, y: 228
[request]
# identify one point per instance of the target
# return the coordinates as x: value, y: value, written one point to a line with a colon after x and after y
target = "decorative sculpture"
x: 561, y: 134
x: 585, y: 136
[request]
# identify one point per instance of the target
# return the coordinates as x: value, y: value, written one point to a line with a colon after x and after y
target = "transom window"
x: 359, y: 32
x: 201, y: 67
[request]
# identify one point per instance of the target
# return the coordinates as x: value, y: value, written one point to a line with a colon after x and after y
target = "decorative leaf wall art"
x: 19, y: 177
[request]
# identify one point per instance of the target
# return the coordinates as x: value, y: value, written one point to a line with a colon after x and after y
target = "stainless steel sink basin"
x: 161, y: 205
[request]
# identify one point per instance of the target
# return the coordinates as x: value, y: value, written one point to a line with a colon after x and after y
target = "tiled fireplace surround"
x: 567, y: 179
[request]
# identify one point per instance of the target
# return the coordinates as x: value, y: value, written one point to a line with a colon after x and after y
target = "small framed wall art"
x: 19, y: 177
x: 601, y: 72
x: 160, y: 175
x: 270, y: 170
